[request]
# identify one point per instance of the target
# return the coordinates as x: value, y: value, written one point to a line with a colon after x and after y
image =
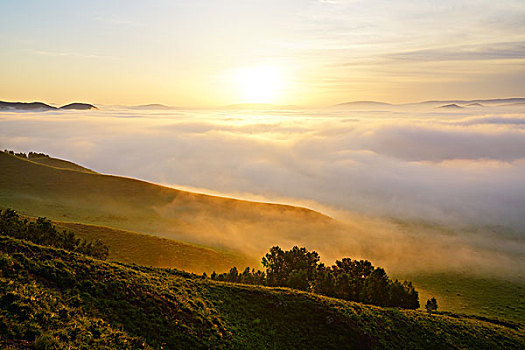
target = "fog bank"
x: 455, y: 169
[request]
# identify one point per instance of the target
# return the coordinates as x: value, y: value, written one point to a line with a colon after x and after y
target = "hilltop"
x: 153, y: 106
x: 59, y: 298
x: 258, y: 106
x: 25, y: 106
x: 363, y: 104
x: 478, y: 102
x: 40, y: 106
x: 450, y: 106
x: 79, y: 106
x: 45, y: 159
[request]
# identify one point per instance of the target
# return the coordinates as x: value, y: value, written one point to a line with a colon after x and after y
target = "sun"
x: 260, y: 84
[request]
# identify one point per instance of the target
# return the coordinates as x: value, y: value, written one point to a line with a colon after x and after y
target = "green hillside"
x: 147, y: 250
x: 61, y: 194
x: 61, y: 164
x: 206, y: 233
x: 474, y: 295
x: 51, y: 298
x: 456, y: 292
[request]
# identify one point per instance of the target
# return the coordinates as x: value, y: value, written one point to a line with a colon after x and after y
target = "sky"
x: 205, y: 53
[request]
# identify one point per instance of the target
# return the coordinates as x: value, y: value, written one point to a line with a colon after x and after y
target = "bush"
x: 42, y: 231
x: 431, y: 305
x: 45, y: 342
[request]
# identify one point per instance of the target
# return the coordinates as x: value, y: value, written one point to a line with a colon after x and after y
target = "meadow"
x: 59, y: 299
x: 77, y: 199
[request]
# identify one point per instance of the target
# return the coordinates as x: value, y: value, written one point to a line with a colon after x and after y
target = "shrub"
x: 42, y: 231
x: 431, y: 305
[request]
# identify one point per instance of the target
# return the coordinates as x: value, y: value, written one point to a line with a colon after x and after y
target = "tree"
x: 431, y: 305
x: 355, y: 280
x: 324, y: 282
x: 294, y: 268
x: 376, y: 289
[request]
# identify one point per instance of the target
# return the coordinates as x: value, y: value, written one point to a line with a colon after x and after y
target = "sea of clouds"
x: 463, y: 167
x: 402, y: 179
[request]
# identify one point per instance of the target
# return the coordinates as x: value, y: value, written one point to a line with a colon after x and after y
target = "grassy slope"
x: 455, y: 292
x: 75, y: 300
x: 147, y: 250
x: 129, y: 204
x: 61, y: 164
x: 473, y: 295
x: 133, y: 205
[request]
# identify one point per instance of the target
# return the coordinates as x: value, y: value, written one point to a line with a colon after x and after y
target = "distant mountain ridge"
x: 40, y: 106
x: 451, y: 106
x: 79, y: 106
x: 25, y: 106
x: 486, y: 101
x: 32, y: 106
x: 363, y: 103
x: 153, y: 106
x: 258, y: 106
x: 477, y: 102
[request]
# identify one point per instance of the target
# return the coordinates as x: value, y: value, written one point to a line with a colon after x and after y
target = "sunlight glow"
x: 260, y: 84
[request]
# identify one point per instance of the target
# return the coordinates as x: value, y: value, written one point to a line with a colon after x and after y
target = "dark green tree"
x: 431, y: 305
x: 294, y: 268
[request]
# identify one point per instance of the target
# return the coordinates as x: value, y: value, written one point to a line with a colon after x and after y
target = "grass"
x: 204, y: 233
x: 61, y: 164
x: 62, y: 194
x: 475, y: 295
x: 51, y: 296
x: 148, y: 250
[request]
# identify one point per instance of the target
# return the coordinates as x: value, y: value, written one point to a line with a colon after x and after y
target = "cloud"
x: 435, y: 167
x: 491, y: 51
x: 67, y: 54
x: 113, y: 20
x: 463, y: 172
x: 514, y: 121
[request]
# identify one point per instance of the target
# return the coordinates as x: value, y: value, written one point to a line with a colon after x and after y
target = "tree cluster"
x: 348, y: 279
x: 42, y: 231
x: 30, y: 155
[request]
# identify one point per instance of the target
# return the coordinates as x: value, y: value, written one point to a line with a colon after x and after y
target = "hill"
x: 153, y: 106
x: 450, y: 106
x: 40, y: 106
x: 363, y: 104
x: 57, y: 298
x: 475, y: 295
x: 480, y: 101
x: 133, y: 216
x: 79, y: 106
x: 458, y: 292
x: 436, y: 103
x: 147, y: 250
x: 258, y: 106
x: 60, y: 194
x: 58, y: 163
x: 25, y: 106
x: 517, y: 104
